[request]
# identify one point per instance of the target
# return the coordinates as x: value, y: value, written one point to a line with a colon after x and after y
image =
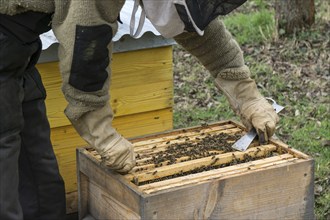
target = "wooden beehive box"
x: 194, y: 174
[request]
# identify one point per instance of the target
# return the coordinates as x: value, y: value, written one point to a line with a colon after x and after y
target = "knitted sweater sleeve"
x: 84, y: 29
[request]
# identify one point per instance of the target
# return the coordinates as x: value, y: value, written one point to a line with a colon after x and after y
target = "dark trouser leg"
x: 39, y: 174
x: 11, y: 122
x: 41, y: 187
x: 14, y: 58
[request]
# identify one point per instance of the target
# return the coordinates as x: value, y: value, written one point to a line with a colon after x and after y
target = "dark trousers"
x: 30, y: 184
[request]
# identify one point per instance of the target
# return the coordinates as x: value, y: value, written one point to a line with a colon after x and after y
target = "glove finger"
x: 246, y: 123
x: 128, y: 167
x: 124, y: 163
x: 263, y: 139
x: 125, y: 166
x: 114, y: 160
x: 128, y: 163
x: 270, y: 128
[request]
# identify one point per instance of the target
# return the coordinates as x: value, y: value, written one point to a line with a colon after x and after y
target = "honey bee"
x: 136, y: 180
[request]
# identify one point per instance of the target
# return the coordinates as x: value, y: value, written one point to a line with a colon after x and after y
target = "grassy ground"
x: 292, y: 70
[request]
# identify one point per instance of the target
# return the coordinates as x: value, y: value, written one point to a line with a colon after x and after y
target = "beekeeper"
x: 30, y: 184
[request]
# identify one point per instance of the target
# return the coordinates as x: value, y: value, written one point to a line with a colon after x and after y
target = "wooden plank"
x: 281, y: 192
x: 217, y: 173
x: 103, y: 205
x: 153, y: 149
x: 141, y: 166
x: 290, y: 149
x: 136, y: 141
x: 278, y: 193
x: 128, y: 69
x: 144, y: 123
x: 65, y: 139
x: 144, y: 85
x: 140, y: 163
x: 285, y: 180
x: 82, y: 196
x: 206, y: 177
x: 194, y: 164
x: 187, y: 203
x: 141, y: 145
x: 124, y: 102
x: 142, y: 67
x: 110, y: 183
x: 142, y: 98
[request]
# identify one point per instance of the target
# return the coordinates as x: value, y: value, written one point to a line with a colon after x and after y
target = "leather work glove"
x: 96, y: 128
x: 119, y: 155
x: 254, y: 110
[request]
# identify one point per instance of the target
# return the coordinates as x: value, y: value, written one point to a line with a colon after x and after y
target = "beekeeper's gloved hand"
x: 96, y: 128
x: 254, y: 110
x: 222, y: 56
x: 119, y: 154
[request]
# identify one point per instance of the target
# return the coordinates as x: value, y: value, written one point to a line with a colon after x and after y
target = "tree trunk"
x: 293, y: 14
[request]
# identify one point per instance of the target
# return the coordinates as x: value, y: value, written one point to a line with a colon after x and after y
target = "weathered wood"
x: 83, y: 183
x: 174, y: 135
x: 217, y: 173
x: 282, y: 192
x: 102, y: 205
x: 191, y: 138
x: 279, y: 186
x: 154, y: 148
x: 214, y: 126
x: 144, y: 163
x: 198, y: 163
x: 106, y: 188
x: 293, y: 151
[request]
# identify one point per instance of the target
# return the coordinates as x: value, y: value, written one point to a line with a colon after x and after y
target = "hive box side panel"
x: 191, y: 202
x: 281, y: 192
x: 102, y: 205
x: 102, y: 194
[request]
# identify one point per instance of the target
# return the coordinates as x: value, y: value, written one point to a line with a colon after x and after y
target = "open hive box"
x: 195, y: 174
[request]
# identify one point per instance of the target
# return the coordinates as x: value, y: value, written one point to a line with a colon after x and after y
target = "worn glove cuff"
x: 235, y: 73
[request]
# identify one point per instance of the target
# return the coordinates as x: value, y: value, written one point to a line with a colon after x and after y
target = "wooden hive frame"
x: 167, y: 190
